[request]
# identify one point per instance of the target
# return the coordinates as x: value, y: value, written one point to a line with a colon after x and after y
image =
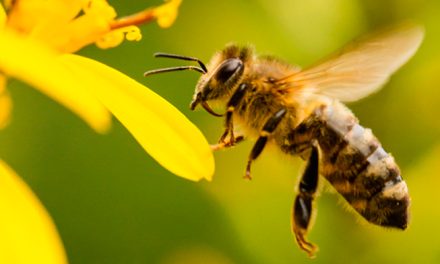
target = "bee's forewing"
x: 363, y: 66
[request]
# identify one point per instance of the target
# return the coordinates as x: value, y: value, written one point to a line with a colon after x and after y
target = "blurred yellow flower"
x: 36, y: 41
x: 28, y: 234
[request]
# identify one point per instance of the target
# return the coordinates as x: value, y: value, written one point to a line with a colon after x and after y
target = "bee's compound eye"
x: 228, y: 68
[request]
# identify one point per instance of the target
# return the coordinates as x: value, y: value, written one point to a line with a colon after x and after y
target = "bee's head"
x: 225, y: 71
x: 217, y: 83
x: 219, y: 79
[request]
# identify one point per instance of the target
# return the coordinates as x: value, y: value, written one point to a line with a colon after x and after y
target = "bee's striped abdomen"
x: 354, y: 162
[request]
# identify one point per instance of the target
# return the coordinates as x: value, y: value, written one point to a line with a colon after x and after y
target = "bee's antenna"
x: 178, y: 68
x: 180, y: 57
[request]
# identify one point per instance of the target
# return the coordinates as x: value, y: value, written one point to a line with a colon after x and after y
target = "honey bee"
x: 302, y: 113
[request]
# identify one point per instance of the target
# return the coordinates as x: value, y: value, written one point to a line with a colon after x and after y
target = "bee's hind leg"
x: 268, y: 128
x: 303, y: 206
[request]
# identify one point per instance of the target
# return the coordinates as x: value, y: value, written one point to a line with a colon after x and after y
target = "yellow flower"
x: 36, y: 41
x: 27, y: 232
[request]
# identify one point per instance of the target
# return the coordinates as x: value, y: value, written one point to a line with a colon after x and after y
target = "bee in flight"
x: 302, y: 113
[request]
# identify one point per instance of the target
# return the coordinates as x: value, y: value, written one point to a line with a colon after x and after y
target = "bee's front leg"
x: 235, y: 100
x: 227, y: 144
x: 229, y: 127
x: 303, y: 206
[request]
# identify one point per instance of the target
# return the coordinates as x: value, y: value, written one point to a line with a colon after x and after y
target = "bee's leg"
x: 235, y: 100
x: 268, y: 129
x: 227, y: 144
x: 303, y: 206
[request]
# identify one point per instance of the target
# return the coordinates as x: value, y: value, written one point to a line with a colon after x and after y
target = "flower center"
x: 69, y: 25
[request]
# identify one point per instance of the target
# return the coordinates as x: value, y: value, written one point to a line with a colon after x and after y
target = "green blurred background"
x: 113, y: 204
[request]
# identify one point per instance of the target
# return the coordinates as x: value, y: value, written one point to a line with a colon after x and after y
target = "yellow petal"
x: 165, y: 133
x: 5, y: 103
x: 28, y: 234
x: 83, y: 30
x: 166, y: 14
x: 73, y: 36
x: 36, y: 17
x: 59, y: 23
x: 2, y: 16
x: 32, y: 62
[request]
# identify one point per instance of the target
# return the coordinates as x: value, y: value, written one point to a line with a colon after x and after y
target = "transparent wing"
x: 362, y: 67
